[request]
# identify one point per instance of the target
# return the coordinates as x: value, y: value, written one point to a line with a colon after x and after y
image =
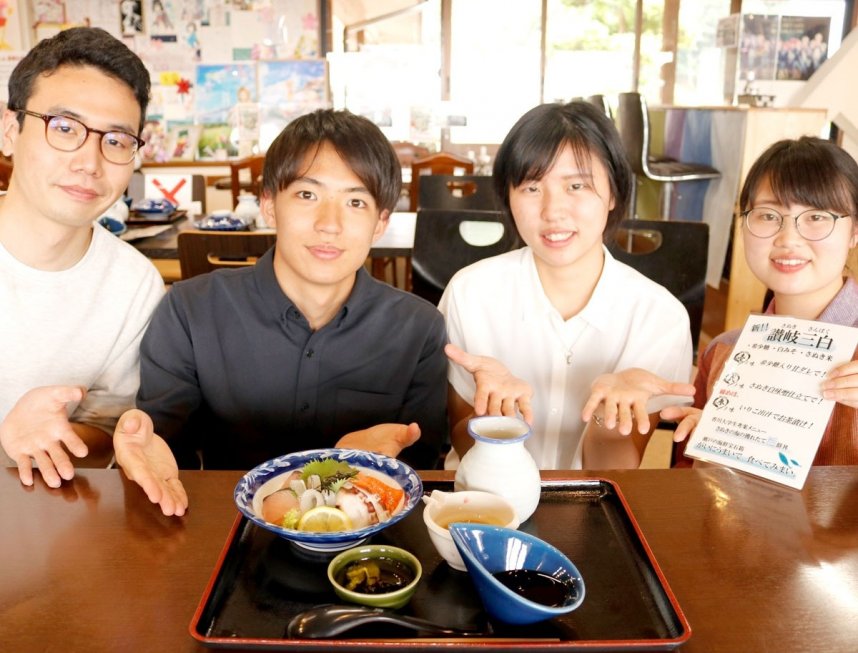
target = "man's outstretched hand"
x: 147, y: 460
x: 386, y: 439
x: 37, y: 430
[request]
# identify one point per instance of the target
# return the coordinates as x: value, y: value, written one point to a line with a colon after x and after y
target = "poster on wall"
x: 161, y: 20
x: 48, y: 11
x: 131, y: 17
x: 802, y: 46
x: 289, y: 89
x: 757, y: 47
x: 219, y: 87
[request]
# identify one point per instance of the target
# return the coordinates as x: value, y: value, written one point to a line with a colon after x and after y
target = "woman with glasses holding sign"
x: 799, y: 204
x: 74, y: 299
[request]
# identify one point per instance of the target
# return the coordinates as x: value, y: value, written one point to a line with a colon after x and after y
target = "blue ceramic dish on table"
x: 156, y: 206
x: 221, y: 221
x: 270, y: 476
x: 492, y: 550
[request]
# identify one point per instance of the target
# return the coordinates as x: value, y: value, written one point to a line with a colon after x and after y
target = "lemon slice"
x: 324, y: 519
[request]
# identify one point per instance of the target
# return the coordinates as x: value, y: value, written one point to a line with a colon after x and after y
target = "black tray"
x: 262, y: 580
x: 136, y: 218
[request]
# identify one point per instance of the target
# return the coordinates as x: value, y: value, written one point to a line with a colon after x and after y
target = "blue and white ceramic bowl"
x: 268, y: 477
x: 113, y: 225
x: 488, y: 550
x: 149, y: 205
x: 221, y: 221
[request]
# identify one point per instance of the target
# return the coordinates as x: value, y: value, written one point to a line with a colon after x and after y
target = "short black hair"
x: 80, y: 46
x: 358, y: 141
x: 532, y: 145
x: 809, y: 171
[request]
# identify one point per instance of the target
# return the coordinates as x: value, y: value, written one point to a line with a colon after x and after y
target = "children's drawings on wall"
x: 47, y: 11
x: 289, y: 89
x: 217, y: 89
x: 131, y: 17
x: 161, y: 20
x: 239, y: 70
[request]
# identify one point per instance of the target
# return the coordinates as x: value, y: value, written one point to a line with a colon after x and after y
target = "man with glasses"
x: 74, y: 299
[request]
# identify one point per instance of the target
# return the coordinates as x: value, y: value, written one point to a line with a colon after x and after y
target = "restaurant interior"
x: 697, y: 90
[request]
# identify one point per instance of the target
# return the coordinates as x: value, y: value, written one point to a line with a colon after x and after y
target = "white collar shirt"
x: 497, y: 307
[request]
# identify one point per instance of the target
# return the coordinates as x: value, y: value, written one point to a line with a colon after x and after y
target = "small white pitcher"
x: 499, y: 463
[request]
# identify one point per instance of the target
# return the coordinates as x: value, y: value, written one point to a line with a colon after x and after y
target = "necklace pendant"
x: 569, y: 358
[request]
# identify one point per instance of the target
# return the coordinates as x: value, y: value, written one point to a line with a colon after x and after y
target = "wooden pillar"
x: 669, y: 40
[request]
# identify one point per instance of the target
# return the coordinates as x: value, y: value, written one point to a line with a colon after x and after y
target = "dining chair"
x: 406, y: 153
x: 601, y: 102
x: 672, y: 253
x: 240, y: 181
x: 446, y: 241
x: 632, y: 121
x: 440, y: 163
x: 205, y: 251
x: 457, y: 192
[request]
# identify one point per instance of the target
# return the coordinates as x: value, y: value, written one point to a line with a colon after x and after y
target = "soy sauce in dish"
x: 536, y: 586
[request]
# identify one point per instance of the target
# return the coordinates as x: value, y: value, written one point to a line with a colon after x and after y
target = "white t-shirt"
x: 497, y: 307
x: 80, y: 326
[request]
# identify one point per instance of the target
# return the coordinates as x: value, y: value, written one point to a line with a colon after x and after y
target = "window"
x: 494, y: 66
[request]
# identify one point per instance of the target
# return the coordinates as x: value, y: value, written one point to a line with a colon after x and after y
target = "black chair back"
x: 632, y: 121
x: 601, y: 102
x: 440, y: 249
x: 671, y: 253
x: 457, y: 192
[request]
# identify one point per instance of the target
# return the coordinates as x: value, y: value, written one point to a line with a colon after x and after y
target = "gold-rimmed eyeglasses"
x: 813, y: 224
x: 67, y: 135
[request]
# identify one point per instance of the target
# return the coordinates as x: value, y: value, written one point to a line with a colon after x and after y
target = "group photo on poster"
x: 802, y: 46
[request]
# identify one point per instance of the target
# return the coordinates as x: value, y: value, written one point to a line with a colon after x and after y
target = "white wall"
x: 834, y: 88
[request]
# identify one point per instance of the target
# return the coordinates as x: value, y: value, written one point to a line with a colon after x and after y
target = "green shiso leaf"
x: 332, y: 473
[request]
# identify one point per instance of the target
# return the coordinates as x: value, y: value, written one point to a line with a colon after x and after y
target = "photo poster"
x: 288, y: 89
x: 802, y: 46
x: 727, y: 32
x: 766, y: 415
x: 758, y: 47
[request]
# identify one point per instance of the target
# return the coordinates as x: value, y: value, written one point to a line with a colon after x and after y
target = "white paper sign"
x: 176, y: 188
x: 766, y: 415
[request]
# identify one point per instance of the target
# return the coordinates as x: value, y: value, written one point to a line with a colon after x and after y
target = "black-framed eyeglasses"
x: 67, y: 135
x: 813, y: 224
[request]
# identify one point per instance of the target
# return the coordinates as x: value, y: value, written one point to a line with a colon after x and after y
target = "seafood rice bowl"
x: 328, y: 499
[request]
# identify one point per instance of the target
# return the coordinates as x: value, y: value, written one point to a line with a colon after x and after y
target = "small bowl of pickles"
x: 377, y: 575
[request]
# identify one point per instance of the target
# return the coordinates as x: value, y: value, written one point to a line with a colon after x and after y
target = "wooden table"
x: 94, y: 567
x: 396, y: 243
x: 397, y: 240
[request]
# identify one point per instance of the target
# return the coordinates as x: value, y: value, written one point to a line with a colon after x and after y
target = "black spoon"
x: 332, y: 620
